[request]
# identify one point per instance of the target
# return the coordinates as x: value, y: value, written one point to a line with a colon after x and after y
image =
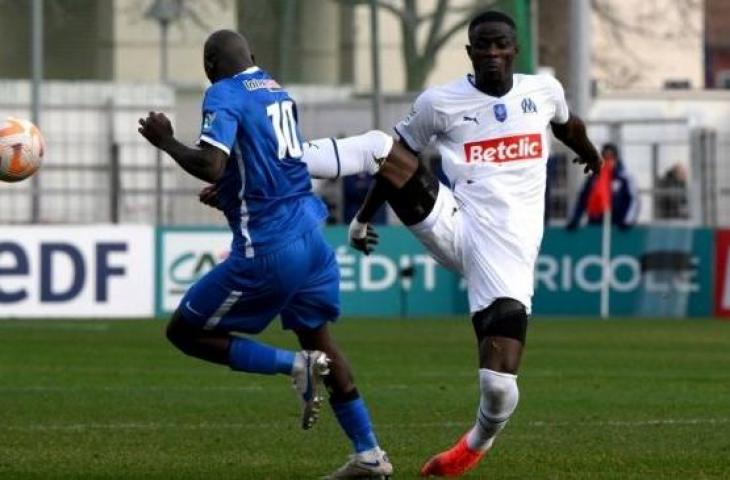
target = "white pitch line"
x: 413, y: 425
x: 154, y: 388
x: 73, y: 327
x: 136, y: 426
x: 51, y: 389
x: 636, y: 423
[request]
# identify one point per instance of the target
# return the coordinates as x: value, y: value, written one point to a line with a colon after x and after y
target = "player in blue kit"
x: 279, y: 263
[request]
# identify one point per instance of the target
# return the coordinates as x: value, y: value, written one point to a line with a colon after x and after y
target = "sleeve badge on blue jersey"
x: 261, y: 84
x: 208, y: 119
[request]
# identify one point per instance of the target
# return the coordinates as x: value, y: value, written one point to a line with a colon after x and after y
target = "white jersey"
x: 494, y: 152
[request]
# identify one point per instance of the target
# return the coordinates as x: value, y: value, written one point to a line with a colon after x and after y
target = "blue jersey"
x: 265, y: 191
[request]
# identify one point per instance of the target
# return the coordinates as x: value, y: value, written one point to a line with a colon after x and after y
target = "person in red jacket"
x: 612, y: 188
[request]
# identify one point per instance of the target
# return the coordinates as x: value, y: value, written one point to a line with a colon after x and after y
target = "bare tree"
x: 662, y: 20
x: 186, y: 12
x: 419, y: 56
x: 651, y: 18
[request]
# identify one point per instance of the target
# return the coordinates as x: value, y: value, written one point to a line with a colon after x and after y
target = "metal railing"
x: 99, y: 170
x: 667, y: 161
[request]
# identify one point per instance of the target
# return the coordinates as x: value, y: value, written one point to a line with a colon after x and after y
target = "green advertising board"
x: 399, y: 278
x: 654, y: 272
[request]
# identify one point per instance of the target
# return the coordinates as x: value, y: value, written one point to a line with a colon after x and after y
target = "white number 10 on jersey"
x: 285, y: 128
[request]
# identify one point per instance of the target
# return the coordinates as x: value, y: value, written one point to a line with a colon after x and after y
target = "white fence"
x: 98, y: 168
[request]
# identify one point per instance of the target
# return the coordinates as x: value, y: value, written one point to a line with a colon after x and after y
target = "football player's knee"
x: 505, y: 317
x: 173, y: 335
x: 177, y: 334
x: 499, y: 393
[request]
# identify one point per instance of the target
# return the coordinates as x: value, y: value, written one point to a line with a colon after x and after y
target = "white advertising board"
x: 76, y: 271
x: 185, y: 255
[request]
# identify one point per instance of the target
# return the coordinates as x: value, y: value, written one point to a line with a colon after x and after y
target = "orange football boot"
x: 454, y: 462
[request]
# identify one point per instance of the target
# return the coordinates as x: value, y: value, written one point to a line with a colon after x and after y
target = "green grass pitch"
x: 619, y: 399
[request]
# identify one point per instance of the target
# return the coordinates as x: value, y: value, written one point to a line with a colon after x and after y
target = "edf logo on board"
x: 14, y: 262
x: 77, y: 271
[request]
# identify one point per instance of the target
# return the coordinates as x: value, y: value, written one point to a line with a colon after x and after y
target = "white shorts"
x: 440, y: 231
x: 484, y: 260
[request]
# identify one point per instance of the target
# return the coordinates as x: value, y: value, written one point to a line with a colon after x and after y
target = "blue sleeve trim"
x: 404, y: 141
x: 337, y: 156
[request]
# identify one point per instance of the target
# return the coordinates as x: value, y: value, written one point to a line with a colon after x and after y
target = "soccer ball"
x: 21, y: 149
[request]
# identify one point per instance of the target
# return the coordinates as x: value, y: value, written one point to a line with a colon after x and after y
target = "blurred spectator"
x: 355, y: 189
x: 330, y: 191
x: 671, y: 194
x: 555, y: 201
x: 612, y: 188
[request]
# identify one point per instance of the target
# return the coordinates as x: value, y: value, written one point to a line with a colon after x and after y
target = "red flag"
x: 599, y: 200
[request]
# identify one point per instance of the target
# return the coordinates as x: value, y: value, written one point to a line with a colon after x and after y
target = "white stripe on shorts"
x: 222, y: 310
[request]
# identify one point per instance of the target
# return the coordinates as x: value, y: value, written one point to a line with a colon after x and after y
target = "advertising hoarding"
x: 76, y: 271
x: 655, y: 272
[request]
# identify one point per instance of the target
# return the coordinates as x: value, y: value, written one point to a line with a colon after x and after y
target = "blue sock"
x: 248, y: 355
x: 354, y: 419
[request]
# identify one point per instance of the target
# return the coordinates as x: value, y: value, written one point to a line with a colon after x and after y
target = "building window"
x: 723, y: 79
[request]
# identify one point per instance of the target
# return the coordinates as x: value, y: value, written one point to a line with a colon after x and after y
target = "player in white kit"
x: 491, y: 129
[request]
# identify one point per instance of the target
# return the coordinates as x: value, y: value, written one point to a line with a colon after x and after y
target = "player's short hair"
x: 492, y: 16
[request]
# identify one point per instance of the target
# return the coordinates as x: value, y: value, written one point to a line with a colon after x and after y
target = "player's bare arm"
x: 398, y: 168
x: 573, y: 134
x: 361, y: 234
x: 206, y: 163
x: 208, y: 195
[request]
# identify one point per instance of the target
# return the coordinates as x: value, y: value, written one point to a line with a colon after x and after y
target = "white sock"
x: 498, y: 401
x: 331, y: 158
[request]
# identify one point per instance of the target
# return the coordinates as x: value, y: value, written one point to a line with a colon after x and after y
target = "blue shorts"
x: 300, y: 282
